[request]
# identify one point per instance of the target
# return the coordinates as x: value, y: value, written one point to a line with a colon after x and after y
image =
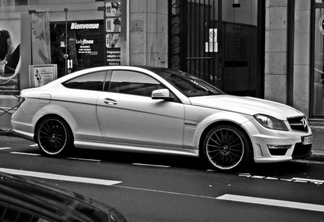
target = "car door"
x: 80, y: 102
x: 129, y: 116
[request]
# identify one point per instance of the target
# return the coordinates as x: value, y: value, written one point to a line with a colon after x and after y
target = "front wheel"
x: 54, y: 136
x: 226, y: 148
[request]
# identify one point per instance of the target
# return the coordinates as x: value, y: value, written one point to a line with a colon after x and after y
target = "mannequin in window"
x: 9, y: 56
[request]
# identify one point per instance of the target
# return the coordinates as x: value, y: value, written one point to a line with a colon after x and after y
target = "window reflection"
x: 133, y: 83
x: 318, y: 108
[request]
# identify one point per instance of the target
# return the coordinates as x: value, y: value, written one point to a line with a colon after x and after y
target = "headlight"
x: 271, y: 122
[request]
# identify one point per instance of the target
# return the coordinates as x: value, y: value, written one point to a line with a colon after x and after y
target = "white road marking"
x: 308, y: 180
x: 167, y: 192
x: 28, y: 154
x: 5, y: 148
x: 294, y: 179
x: 271, y: 178
x: 60, y: 177
x: 150, y: 165
x: 210, y: 170
x: 226, y: 197
x: 257, y: 177
x: 272, y: 202
x: 243, y: 199
x: 82, y: 159
x: 33, y: 145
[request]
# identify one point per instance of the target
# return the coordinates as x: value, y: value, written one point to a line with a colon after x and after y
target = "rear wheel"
x: 54, y: 136
x: 226, y: 148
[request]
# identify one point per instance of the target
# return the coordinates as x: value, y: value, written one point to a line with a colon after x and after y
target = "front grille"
x: 302, y: 151
x: 298, y: 123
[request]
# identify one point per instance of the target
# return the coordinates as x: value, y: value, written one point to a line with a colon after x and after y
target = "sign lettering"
x: 75, y: 25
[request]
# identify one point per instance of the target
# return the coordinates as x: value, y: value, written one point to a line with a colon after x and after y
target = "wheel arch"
x: 205, y: 131
x: 235, y: 120
x: 68, y: 123
x: 51, y: 136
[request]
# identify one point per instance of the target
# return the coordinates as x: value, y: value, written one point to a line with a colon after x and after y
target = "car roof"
x: 47, y: 201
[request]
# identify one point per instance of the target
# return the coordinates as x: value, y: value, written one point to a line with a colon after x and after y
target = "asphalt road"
x: 168, y: 188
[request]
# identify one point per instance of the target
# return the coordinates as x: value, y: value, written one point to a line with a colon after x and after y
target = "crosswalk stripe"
x: 272, y: 202
x: 60, y: 177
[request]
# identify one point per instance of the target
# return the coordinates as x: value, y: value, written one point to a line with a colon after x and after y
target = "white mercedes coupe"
x: 162, y: 111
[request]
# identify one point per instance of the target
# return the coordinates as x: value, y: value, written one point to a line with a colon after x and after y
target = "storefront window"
x: 318, y: 108
x: 85, y: 45
x: 218, y: 43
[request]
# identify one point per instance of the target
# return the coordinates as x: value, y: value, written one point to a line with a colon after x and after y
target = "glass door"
x: 239, y: 42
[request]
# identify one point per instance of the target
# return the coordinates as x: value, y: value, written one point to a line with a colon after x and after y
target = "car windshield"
x: 187, y: 84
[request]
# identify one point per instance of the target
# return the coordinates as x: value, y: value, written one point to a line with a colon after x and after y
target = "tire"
x: 226, y: 148
x: 54, y: 136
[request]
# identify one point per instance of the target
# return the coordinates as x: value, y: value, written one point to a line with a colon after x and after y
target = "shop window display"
x: 84, y: 46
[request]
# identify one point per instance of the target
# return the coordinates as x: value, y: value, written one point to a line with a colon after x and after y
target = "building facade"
x: 270, y: 49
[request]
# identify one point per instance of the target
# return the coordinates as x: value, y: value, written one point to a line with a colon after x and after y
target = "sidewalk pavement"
x: 317, y: 128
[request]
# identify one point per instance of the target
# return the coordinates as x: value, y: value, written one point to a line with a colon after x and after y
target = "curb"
x: 316, y: 156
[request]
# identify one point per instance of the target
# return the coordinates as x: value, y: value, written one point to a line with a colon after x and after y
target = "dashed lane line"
x: 28, y: 154
x: 61, y: 177
x: 150, y: 165
x: 5, y: 148
x: 83, y: 159
x: 71, y: 158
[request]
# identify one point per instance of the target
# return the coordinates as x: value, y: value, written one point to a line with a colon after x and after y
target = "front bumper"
x: 270, y: 146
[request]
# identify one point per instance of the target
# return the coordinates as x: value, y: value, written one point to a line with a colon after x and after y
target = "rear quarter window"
x: 91, y: 81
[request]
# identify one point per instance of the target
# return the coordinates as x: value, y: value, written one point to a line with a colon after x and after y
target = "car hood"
x: 246, y: 105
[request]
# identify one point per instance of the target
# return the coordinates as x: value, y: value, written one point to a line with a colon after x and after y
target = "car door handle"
x: 110, y: 101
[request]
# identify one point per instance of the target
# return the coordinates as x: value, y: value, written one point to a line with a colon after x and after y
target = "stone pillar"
x: 148, y: 37
x: 302, y: 55
x: 276, y: 51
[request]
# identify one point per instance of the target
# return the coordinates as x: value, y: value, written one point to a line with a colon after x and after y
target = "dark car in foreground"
x: 26, y: 200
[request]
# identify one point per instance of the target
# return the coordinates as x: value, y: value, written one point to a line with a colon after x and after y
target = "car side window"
x: 134, y: 83
x: 90, y: 81
x: 8, y: 214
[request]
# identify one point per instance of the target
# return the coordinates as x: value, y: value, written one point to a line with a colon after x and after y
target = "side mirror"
x: 161, y: 94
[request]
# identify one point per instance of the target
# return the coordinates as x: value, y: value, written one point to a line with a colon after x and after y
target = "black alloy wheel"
x: 226, y: 148
x: 54, y: 136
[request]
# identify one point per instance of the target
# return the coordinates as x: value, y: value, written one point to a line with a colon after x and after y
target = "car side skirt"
x: 132, y: 148
x: 23, y: 134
